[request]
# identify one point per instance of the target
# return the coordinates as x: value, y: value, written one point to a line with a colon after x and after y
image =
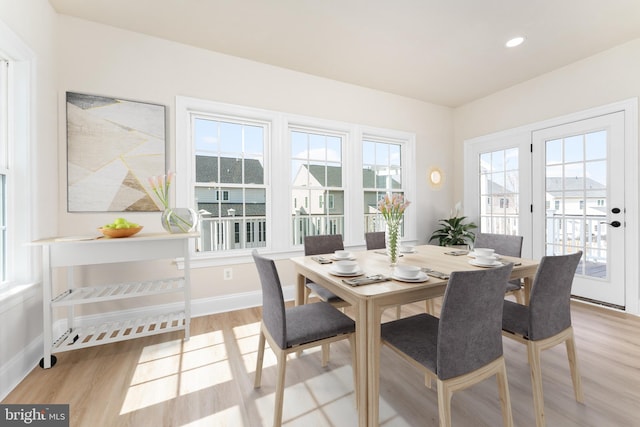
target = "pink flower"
x: 392, y: 208
x: 160, y: 186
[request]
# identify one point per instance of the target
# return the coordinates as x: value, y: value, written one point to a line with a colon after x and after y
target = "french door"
x: 579, y: 202
x: 575, y: 189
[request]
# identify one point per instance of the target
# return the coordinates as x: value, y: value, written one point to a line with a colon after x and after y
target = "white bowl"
x: 485, y: 260
x: 342, y: 254
x: 484, y: 252
x: 407, y: 248
x: 345, y: 267
x: 407, y: 271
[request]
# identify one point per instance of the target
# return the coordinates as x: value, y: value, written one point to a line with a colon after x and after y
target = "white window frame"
x: 277, y: 175
x: 19, y: 168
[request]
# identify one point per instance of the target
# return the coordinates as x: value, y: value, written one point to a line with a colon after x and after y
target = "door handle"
x: 615, y: 224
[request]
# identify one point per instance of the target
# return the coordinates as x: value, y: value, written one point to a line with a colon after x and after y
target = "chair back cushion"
x: 375, y: 240
x: 470, y: 329
x: 503, y: 244
x: 273, y: 308
x: 549, y: 304
x: 324, y: 244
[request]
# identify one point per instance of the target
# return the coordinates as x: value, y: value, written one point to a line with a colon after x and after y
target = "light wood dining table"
x: 369, y: 301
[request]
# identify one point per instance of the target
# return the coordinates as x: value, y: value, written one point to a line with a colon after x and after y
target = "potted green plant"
x: 454, y: 232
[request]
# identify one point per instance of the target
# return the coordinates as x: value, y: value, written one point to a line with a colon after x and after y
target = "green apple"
x: 120, y: 223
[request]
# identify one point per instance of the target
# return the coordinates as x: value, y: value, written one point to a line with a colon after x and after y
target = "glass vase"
x: 179, y: 220
x: 392, y: 237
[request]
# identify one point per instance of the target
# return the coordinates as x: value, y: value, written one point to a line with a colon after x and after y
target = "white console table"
x: 70, y: 252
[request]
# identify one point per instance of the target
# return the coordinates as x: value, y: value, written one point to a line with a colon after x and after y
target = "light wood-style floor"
x: 208, y: 381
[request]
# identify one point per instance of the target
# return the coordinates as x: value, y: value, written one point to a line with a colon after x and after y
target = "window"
x: 499, y: 185
x: 266, y: 179
x: 381, y: 174
x: 4, y: 167
x: 316, y: 175
x: 16, y: 65
x: 229, y: 189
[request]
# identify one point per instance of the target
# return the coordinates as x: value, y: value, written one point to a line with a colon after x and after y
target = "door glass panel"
x: 499, y: 191
x: 576, y: 196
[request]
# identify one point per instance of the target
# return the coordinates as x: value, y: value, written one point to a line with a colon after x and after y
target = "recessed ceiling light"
x: 516, y: 41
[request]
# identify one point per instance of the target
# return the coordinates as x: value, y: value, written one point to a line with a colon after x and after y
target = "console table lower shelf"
x: 143, y: 251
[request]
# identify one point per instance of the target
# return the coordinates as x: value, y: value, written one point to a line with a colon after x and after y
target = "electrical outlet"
x: 228, y: 274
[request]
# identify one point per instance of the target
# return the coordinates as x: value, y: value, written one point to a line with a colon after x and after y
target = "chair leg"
x: 534, y: 351
x: 281, y: 356
x: 259, y: 361
x: 307, y: 292
x: 444, y: 404
x: 505, y: 399
x: 325, y: 355
x: 519, y: 296
x: 428, y: 379
x: 430, y: 307
x: 573, y: 366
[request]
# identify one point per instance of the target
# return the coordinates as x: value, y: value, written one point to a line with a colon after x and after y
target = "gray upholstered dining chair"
x: 322, y: 245
x: 290, y: 329
x: 463, y: 346
x: 507, y: 245
x: 375, y: 240
x: 546, y: 322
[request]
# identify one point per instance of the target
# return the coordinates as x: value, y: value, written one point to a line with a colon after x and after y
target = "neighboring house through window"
x: 382, y: 164
x: 267, y: 179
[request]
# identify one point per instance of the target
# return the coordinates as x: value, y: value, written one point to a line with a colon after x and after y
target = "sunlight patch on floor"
x: 229, y: 417
x: 341, y: 412
x: 160, y: 350
x: 332, y: 385
x: 203, y: 340
x: 176, y: 368
x: 150, y: 393
x: 205, y: 377
x: 327, y: 399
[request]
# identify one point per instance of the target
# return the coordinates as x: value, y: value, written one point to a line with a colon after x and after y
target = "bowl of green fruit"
x: 120, y: 228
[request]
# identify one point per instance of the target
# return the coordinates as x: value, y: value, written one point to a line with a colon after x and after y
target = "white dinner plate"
x: 473, y: 255
x: 422, y: 277
x: 477, y: 264
x: 412, y: 251
x: 354, y: 274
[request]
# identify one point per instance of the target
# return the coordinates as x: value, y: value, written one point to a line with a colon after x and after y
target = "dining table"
x: 375, y: 287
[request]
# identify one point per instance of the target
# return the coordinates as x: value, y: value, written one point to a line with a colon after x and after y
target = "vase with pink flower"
x: 173, y: 219
x: 392, y: 210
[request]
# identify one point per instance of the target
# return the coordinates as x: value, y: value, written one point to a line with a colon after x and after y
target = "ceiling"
x: 447, y: 52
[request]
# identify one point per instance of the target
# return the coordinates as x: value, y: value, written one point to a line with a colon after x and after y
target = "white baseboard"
x: 19, y: 366
x: 13, y: 372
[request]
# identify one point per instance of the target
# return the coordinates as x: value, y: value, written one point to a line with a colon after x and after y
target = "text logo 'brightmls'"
x: 34, y: 415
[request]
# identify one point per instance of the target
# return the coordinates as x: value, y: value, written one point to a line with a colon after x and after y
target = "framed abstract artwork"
x: 113, y: 147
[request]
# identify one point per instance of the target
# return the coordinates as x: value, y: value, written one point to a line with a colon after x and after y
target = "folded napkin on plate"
x: 456, y: 253
x: 436, y: 274
x: 366, y: 280
x: 321, y: 259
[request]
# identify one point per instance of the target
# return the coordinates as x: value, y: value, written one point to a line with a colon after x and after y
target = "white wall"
x: 613, y: 75
x: 102, y: 60
x: 34, y: 23
x: 605, y: 78
x: 76, y: 55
